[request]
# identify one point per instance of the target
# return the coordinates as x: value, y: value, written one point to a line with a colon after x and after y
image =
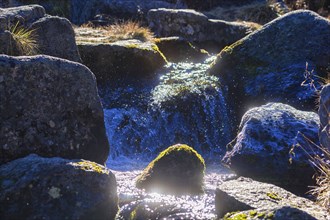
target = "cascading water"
x: 184, y: 106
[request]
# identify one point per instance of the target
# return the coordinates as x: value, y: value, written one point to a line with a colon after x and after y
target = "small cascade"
x: 184, y: 106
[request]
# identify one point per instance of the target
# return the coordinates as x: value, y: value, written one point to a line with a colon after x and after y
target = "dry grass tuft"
x: 26, y: 40
x: 322, y: 190
x: 119, y: 31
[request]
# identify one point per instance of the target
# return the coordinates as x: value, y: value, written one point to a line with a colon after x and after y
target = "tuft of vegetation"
x: 125, y: 30
x: 322, y: 161
x: 322, y: 190
x: 26, y: 39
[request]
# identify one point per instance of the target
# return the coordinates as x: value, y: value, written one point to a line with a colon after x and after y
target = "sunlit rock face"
x: 184, y: 106
x: 177, y: 170
x: 324, y: 113
x: 263, y: 201
x: 54, y: 188
x: 52, y: 35
x: 263, y: 146
x: 269, y: 65
x: 50, y: 106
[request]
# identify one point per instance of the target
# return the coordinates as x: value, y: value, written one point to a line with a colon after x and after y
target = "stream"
x: 183, y: 105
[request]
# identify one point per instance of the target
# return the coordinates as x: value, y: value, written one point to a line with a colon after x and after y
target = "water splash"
x: 184, y: 106
x: 133, y: 201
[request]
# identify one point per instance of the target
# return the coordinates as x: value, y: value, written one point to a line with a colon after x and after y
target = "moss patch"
x: 235, y: 216
x: 90, y: 166
x: 177, y: 170
x: 273, y: 196
x: 253, y: 214
x: 155, y: 48
x: 229, y: 49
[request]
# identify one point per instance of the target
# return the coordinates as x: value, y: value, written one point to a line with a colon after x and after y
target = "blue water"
x: 184, y: 105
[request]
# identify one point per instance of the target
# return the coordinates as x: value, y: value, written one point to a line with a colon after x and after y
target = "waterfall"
x: 184, y: 106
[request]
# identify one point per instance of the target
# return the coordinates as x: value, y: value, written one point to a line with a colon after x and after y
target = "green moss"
x: 179, y: 147
x: 177, y: 170
x: 156, y: 48
x: 261, y: 215
x: 235, y: 216
x: 133, y: 215
x: 90, y: 166
x: 273, y: 196
x: 270, y: 215
x: 132, y: 46
x: 229, y: 49
x: 253, y: 213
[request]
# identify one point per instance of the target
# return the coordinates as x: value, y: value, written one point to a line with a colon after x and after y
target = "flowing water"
x: 183, y: 105
x: 137, y: 204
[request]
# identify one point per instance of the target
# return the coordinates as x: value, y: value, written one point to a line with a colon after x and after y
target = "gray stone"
x: 127, y: 60
x: 324, y: 113
x: 85, y: 10
x: 263, y: 146
x: 266, y: 201
x: 54, y: 188
x: 56, y: 37
x: 24, y: 15
x: 260, y: 12
x: 8, y: 44
x: 53, y: 36
x: 51, y: 107
x: 195, y: 26
x: 269, y: 64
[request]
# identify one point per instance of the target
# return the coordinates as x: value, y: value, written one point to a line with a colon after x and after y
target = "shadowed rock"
x: 127, y: 61
x: 50, y: 107
x: 54, y: 188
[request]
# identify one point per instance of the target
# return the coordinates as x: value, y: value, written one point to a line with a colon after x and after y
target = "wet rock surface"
x: 269, y: 65
x: 54, y: 188
x: 54, y: 36
x: 264, y: 201
x: 195, y: 26
x: 324, y: 113
x: 51, y: 107
x: 263, y: 146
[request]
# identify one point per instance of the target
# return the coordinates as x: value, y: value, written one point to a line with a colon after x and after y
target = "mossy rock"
x: 177, y: 170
